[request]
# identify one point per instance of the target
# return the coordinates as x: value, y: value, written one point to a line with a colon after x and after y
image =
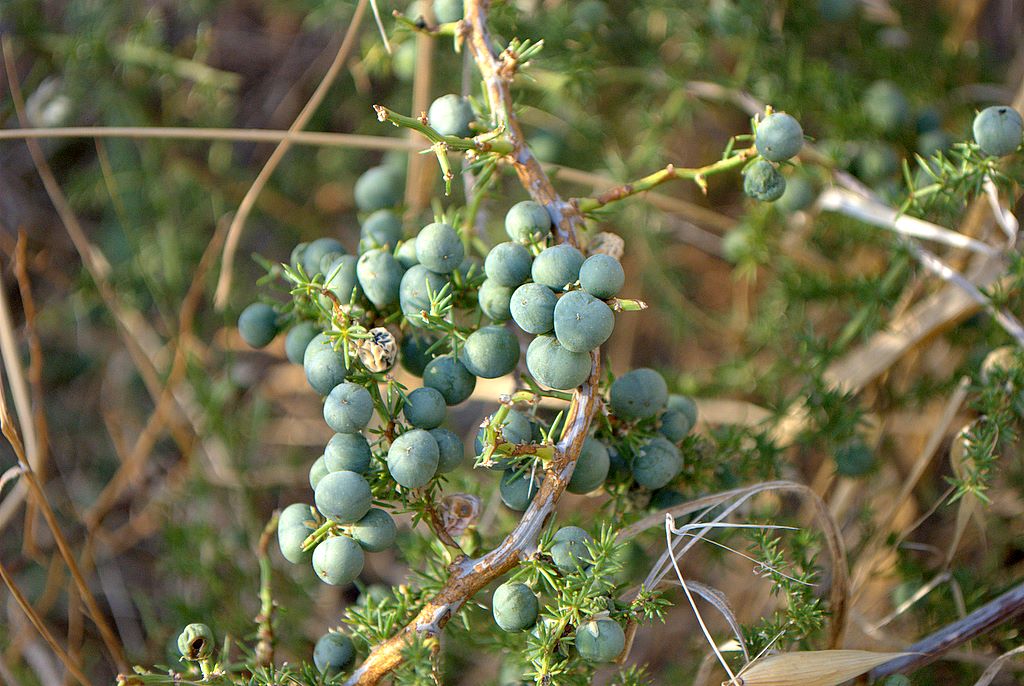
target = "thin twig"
x: 264, y: 653
x: 317, y: 138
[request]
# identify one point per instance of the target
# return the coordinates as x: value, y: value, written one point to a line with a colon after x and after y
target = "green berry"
x: 515, y: 428
x: 378, y: 188
x: 380, y: 276
x: 582, y: 322
x: 315, y: 252
x: 490, y: 352
x: 450, y: 376
x: 527, y: 222
x: 656, y: 463
x: 297, y: 339
x: 348, y: 408
x: 515, y: 607
x: 293, y: 526
x: 876, y: 162
x: 413, y: 458
x: 495, y: 301
x: 347, y: 453
x: 257, y: 325
x: 414, y: 292
x: 338, y: 560
x: 414, y: 355
x: 569, y: 549
x: 885, y: 106
x: 664, y: 498
x: 517, y: 489
x: 447, y: 11
x: 343, y: 497
x: 638, y: 394
x: 533, y: 308
x: 406, y: 253
x: 508, y: 264
x: 298, y: 252
x: 602, y: 276
x: 679, y: 418
x: 196, y: 642
x: 382, y: 229
x: 762, y: 181
x: 778, y: 137
x: 451, y: 115
x: 450, y: 451
x: 424, y: 408
x: 439, y: 248
x: 552, y: 365
x: 600, y: 640
x: 557, y: 267
x: 591, y: 467
x: 854, y: 459
x: 333, y: 653
x: 376, y: 531
x: 998, y: 130
x: 340, y: 279
x: 799, y: 194
x: 324, y: 366
x: 318, y: 471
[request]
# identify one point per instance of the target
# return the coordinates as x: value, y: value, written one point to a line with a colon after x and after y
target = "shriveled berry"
x: 439, y: 248
x: 638, y: 394
x: 413, y: 458
x: 495, y: 301
x: 515, y: 607
x: 257, y: 325
x: 557, y: 266
x: 380, y: 276
x: 376, y: 531
x: 490, y: 352
x: 348, y: 408
x: 552, y: 365
x: 778, y: 137
x: 378, y: 188
x: 347, y: 452
x: 196, y: 642
x: 450, y: 376
x: 600, y: 640
x: 582, y: 322
x: 424, y: 408
x: 297, y: 339
x: 533, y: 308
x: 591, y: 467
x: 508, y: 264
x: 762, y: 181
x: 343, y: 497
x: 333, y: 653
x: 451, y: 115
x: 527, y: 222
x: 998, y: 130
x: 338, y: 560
x: 450, y: 451
x: 656, y: 463
x: 602, y: 276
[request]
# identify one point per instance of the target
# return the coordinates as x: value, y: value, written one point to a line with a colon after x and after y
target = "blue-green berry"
x: 552, y: 365
x: 424, y: 408
x: 340, y: 279
x: 343, y: 497
x: 508, y: 264
x: 295, y: 259
x: 778, y: 137
x: 196, y: 642
x: 638, y: 394
x: 297, y: 339
x: 799, y: 194
x: 518, y: 488
x: 762, y: 181
x: 602, y: 276
x: 338, y: 560
x: 317, y: 472
x: 664, y: 498
x: 495, y: 301
x: 376, y: 531
x: 557, y: 267
x: 348, y: 408
x: 515, y: 428
x: 324, y: 366
x: 569, y: 549
x: 333, y: 653
x: 293, y: 526
x: 449, y: 448
x: 854, y: 459
x: 414, y: 293
x: 679, y: 418
x: 413, y: 458
x: 885, y: 106
x: 380, y: 277
x: 348, y: 452
x: 533, y: 308
x: 439, y: 248
x: 257, y: 325
x: 600, y: 640
x: 591, y: 467
x: 447, y: 11
x: 515, y: 607
x: 313, y: 256
x: 406, y: 253
x: 448, y: 375
x: 451, y: 115
x: 490, y: 352
x: 414, y: 355
x: 378, y: 188
x: 876, y: 162
x: 382, y: 229
x: 527, y: 222
x: 582, y: 322
x: 998, y: 130
x: 618, y: 467
x: 657, y: 462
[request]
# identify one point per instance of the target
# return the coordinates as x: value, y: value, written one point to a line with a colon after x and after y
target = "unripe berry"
x: 439, y: 248
x: 854, y: 459
x: 324, y: 366
x: 414, y: 347
x: 569, y: 549
x: 413, y: 458
x: 343, y: 497
x: 778, y: 137
x: 348, y: 408
x: 317, y: 472
x: 333, y: 653
x: 450, y: 450
x: 582, y: 322
x: 313, y: 255
x: 762, y: 181
x: 382, y: 229
x: 508, y: 264
x: 527, y: 222
x: 799, y: 194
x: 451, y: 115
x: 591, y: 467
x: 552, y: 365
x: 998, y: 130
x: 602, y: 276
x: 415, y: 289
x: 450, y: 377
x: 490, y: 352
x: 338, y: 560
x: 533, y: 308
x: 293, y: 526
x: 446, y: 11
x: 886, y: 107
x: 557, y: 267
x: 376, y: 531
x: 517, y: 489
x: 656, y: 463
x: 600, y: 640
x: 515, y: 607
x: 495, y: 301
x: 678, y: 420
x: 377, y: 189
x: 638, y: 394
x: 340, y: 279
x: 348, y: 453
x: 380, y: 276
x: 257, y: 325
x: 424, y: 408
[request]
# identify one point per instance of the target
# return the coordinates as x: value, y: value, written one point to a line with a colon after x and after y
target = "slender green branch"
x: 265, y: 619
x: 485, y: 143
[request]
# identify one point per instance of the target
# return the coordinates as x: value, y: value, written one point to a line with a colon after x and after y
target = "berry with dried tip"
x: 343, y: 497
x: 380, y: 276
x: 324, y: 366
x: 602, y: 276
x: 439, y: 248
x: 450, y: 376
x: 413, y: 458
x: 333, y: 653
x: 257, y: 325
x: 297, y: 339
x: 582, y: 322
x: 778, y: 137
x: 557, y: 267
x: 424, y: 408
x: 196, y: 642
x: 348, y: 408
x: 495, y: 301
x: 451, y: 115
x: 591, y: 467
x: 293, y: 526
x: 508, y: 264
x: 449, y: 448
x: 376, y: 531
x: 552, y: 365
x: 600, y: 640
x: 638, y: 394
x: 762, y: 181
x: 379, y: 188
x: 998, y: 130
x: 527, y: 222
x: 515, y: 607
x: 517, y: 489
x: 347, y: 453
x: 533, y: 308
x: 490, y: 352
x: 656, y: 463
x: 569, y: 549
x: 338, y: 560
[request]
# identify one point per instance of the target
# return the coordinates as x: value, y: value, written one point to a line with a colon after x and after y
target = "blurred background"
x: 164, y: 443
